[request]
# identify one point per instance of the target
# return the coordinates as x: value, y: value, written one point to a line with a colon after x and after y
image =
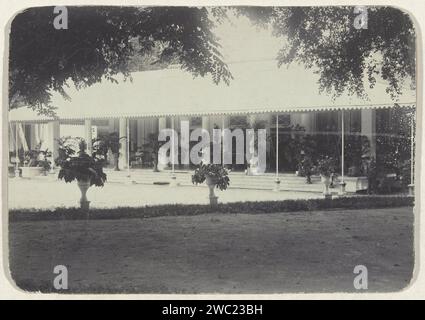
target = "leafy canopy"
x: 326, y: 40
x: 101, y: 42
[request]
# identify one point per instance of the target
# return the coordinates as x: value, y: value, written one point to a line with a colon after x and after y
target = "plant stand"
x: 213, y: 200
x: 342, y: 188
x: 326, y: 183
x: 84, y: 186
x: 277, y: 185
x: 211, y: 186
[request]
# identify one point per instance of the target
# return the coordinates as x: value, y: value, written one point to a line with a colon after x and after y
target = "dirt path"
x: 235, y: 253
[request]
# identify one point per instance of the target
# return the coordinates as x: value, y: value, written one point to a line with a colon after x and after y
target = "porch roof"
x: 257, y: 87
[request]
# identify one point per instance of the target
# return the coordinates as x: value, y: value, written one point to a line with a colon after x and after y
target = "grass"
x: 207, y: 253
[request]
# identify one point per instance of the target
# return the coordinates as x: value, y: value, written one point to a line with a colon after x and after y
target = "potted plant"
x: 36, y: 162
x: 214, y: 175
x: 108, y: 142
x: 76, y: 164
x: 326, y: 167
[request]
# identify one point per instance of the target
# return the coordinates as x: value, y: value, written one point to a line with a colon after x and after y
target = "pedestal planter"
x: 342, y: 188
x: 326, y: 167
x: 79, y: 166
x: 84, y: 185
x: 211, y: 183
x: 214, y: 176
x: 326, y: 183
x: 277, y: 185
x: 30, y: 172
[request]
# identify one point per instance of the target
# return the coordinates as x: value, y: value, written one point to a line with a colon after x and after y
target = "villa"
x: 284, y: 101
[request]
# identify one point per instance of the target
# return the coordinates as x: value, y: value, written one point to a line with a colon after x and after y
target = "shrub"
x: 255, y: 207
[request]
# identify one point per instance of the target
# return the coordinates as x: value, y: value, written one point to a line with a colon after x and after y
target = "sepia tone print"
x: 211, y: 149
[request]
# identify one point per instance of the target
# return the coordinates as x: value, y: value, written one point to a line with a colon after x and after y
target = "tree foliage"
x: 326, y: 40
x: 101, y: 42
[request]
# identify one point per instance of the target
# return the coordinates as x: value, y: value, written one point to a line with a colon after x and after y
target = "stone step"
x: 267, y: 185
x: 187, y: 175
x: 238, y: 180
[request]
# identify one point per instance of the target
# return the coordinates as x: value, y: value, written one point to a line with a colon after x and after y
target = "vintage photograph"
x: 190, y: 150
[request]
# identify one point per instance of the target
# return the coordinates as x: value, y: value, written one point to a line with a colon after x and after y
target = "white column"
x: 123, y: 158
x: 206, y: 123
x: 412, y: 156
x: 22, y: 138
x: 162, y: 123
x: 53, y: 135
x: 342, y: 183
x: 12, y: 140
x: 368, y: 128
x: 88, y: 135
x: 277, y: 181
x: 132, y: 125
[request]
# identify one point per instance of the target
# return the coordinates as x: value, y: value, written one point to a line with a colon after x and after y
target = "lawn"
x: 227, y: 253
